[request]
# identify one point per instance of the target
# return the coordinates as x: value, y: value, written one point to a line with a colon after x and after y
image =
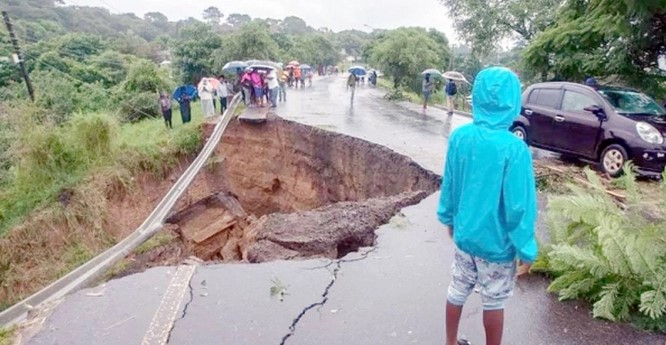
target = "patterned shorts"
x: 496, y: 280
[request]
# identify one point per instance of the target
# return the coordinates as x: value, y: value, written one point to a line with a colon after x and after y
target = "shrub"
x: 612, y: 254
x: 138, y: 106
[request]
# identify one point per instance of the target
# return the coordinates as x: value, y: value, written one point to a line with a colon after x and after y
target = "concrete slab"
x: 118, y: 312
x: 254, y: 115
x: 233, y: 304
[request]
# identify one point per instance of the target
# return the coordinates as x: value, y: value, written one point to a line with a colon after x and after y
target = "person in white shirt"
x: 222, y: 92
x: 206, y: 91
x: 273, y: 86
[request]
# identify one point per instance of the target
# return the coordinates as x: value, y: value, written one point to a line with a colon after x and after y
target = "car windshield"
x: 628, y: 102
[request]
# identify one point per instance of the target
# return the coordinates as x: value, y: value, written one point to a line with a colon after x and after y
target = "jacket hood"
x: 496, y: 98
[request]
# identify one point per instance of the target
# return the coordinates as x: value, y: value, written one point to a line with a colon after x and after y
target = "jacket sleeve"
x: 520, y: 205
x: 446, y: 209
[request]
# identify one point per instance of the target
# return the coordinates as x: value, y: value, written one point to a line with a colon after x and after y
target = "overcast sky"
x: 333, y: 14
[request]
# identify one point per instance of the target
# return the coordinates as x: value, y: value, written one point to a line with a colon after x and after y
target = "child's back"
x: 488, y: 200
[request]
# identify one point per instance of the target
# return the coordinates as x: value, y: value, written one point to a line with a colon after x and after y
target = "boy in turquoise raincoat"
x: 488, y: 202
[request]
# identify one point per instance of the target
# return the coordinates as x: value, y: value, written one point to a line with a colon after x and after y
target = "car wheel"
x: 613, y: 159
x: 520, y: 132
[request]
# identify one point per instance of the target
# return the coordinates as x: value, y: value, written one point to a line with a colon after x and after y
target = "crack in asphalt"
x: 187, y: 305
x: 292, y: 328
x: 364, y: 256
x: 322, y: 302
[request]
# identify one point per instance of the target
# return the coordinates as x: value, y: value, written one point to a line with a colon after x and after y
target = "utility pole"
x: 18, y: 57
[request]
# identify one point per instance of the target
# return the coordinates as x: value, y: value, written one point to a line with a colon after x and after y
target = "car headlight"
x: 648, y: 133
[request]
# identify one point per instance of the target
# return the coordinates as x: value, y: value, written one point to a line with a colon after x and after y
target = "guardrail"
x: 95, y: 268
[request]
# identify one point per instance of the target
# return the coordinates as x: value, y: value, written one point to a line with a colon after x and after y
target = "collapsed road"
x: 390, y: 293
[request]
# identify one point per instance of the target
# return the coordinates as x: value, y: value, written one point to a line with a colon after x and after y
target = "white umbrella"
x: 453, y: 75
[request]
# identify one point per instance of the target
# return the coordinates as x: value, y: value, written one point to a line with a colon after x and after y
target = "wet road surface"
x: 393, y: 293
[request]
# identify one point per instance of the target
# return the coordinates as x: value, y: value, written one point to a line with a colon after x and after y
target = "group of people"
x: 428, y: 87
x: 210, y: 91
x: 354, y: 80
x: 263, y: 86
x: 296, y: 76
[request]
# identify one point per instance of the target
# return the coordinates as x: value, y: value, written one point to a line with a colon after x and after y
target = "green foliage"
x: 405, y: 52
x: 46, y: 159
x: 7, y: 335
x: 192, y: 52
x: 612, y: 255
x: 138, y: 106
x: 486, y: 23
x: 616, y: 40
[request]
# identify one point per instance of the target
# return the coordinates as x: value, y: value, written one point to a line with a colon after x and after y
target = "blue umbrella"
x: 304, y: 66
x: 358, y: 70
x: 234, y: 66
x: 183, y: 90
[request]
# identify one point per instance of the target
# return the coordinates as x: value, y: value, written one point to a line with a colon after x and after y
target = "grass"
x: 7, y: 336
x: 118, y: 268
x: 160, y: 239
x: 50, y: 159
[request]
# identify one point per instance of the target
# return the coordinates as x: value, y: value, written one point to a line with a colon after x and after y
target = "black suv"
x: 608, y: 125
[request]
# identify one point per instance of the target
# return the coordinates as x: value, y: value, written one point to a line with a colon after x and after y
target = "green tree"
x: 486, y: 23
x: 405, y: 52
x: 193, y: 52
x: 237, y: 20
x: 212, y: 15
x: 253, y: 41
x: 616, y: 39
x: 295, y: 26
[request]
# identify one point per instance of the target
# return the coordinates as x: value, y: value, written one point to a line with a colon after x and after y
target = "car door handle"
x: 559, y: 118
x: 528, y: 112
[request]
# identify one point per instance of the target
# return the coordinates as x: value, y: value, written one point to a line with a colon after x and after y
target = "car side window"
x: 534, y: 95
x: 548, y: 98
x: 574, y: 101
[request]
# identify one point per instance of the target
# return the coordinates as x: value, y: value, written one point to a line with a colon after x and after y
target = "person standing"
x: 352, y: 80
x: 246, y: 87
x: 206, y: 91
x: 451, y: 90
x: 282, y: 92
x: 273, y: 86
x: 165, y: 107
x: 488, y: 202
x: 222, y: 92
x: 183, y: 98
x: 427, y: 86
x: 258, y: 88
x: 297, y: 75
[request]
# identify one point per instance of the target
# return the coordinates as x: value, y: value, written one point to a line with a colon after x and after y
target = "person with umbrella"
x: 184, y: 95
x: 427, y: 87
x: 206, y: 91
x: 352, y: 80
x: 297, y: 76
x: 246, y: 86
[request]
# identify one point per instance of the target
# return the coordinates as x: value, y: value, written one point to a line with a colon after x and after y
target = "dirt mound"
x: 332, y: 231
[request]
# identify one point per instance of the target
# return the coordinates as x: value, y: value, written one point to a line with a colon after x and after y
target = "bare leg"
x: 493, y: 322
x: 453, y: 313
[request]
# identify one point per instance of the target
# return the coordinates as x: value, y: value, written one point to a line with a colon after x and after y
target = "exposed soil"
x: 289, y: 191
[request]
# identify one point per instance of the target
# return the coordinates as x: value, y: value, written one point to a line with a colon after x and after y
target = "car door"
x: 541, y: 108
x: 580, y: 129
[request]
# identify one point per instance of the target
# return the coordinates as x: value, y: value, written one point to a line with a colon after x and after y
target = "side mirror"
x: 596, y: 110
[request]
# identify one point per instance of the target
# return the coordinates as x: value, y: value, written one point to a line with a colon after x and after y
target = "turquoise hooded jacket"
x: 488, y: 191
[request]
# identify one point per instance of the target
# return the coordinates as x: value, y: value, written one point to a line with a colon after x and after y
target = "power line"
x: 85, y: 83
